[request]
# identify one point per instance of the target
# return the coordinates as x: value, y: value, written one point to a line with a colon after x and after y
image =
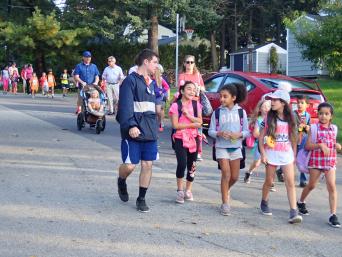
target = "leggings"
x: 185, y: 159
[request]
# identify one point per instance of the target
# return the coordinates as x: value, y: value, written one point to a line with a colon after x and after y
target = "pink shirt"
x: 187, y: 135
x: 195, y: 78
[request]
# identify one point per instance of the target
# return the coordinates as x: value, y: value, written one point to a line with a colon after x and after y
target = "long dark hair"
x: 237, y: 90
x: 272, y: 117
x: 182, y: 87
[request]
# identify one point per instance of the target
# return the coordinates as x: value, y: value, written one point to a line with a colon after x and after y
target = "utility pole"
x: 9, y: 9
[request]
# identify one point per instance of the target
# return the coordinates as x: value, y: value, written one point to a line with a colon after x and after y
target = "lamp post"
x: 250, y: 47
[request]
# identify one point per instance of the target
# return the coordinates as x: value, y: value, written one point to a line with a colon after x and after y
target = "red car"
x: 258, y: 84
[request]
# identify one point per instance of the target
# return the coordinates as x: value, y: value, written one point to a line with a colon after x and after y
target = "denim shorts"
x: 132, y: 152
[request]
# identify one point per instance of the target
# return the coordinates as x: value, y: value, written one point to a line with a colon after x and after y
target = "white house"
x: 240, y: 59
x: 163, y: 34
x: 296, y: 65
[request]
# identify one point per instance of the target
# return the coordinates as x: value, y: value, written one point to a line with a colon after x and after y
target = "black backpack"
x: 243, y: 150
x: 179, y: 105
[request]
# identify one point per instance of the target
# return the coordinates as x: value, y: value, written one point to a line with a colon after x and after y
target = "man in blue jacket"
x: 138, y: 126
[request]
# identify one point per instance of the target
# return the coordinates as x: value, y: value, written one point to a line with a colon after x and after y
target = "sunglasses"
x: 189, y: 62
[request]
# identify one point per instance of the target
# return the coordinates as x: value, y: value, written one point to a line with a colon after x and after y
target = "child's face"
x: 302, y: 105
x: 95, y: 94
x: 265, y: 107
x: 324, y: 115
x: 277, y: 105
x: 226, y: 99
x: 189, y: 91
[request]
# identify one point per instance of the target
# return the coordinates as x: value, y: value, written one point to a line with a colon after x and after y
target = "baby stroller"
x: 95, y: 119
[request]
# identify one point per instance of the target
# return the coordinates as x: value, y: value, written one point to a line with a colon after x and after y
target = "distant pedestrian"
x: 34, y: 84
x: 322, y: 160
x: 85, y: 73
x: 44, y: 84
x: 13, y: 70
x: 186, y: 118
x: 23, y: 77
x: 278, y: 145
x: 113, y: 77
x: 51, y: 82
x: 28, y: 76
x: 15, y: 79
x: 65, y: 82
x: 138, y: 125
x: 5, y: 79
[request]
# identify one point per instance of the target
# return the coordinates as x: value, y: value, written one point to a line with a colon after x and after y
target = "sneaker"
x: 302, y: 184
x: 302, y: 208
x: 180, y: 197
x: 333, y: 221
x: 272, y: 188
x: 122, y: 190
x: 294, y: 217
x: 247, y: 178
x: 141, y: 205
x: 265, y: 209
x: 199, y: 158
x: 225, y: 209
x: 188, y: 196
x: 280, y: 176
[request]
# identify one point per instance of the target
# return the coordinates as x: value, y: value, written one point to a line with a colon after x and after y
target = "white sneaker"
x: 180, y: 197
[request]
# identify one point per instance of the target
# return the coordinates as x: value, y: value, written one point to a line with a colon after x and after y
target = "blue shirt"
x: 87, y: 73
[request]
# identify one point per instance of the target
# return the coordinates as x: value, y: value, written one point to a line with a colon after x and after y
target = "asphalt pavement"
x: 58, y: 197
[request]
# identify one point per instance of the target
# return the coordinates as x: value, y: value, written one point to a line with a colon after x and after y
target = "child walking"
x: 34, y: 84
x: 322, y: 160
x: 278, y: 143
x: 229, y: 130
x: 186, y: 118
x: 51, y: 82
x: 303, y: 121
x: 258, y: 116
x: 44, y: 84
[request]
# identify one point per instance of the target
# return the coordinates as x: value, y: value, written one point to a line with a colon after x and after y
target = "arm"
x: 97, y: 76
x: 212, y: 129
x: 122, y: 76
x: 104, y: 75
x: 261, y: 146
x: 256, y: 132
x: 126, y: 105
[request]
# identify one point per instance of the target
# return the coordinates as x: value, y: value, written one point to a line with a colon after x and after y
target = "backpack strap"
x: 240, y: 110
x: 217, y: 118
x: 314, y: 132
x: 194, y: 106
x: 180, y: 106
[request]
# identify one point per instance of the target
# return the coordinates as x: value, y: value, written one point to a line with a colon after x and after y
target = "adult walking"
x: 113, y: 77
x: 86, y: 73
x: 28, y: 76
x: 14, y: 77
x: 138, y: 126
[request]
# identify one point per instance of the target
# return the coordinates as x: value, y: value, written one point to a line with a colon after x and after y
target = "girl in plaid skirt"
x: 322, y: 160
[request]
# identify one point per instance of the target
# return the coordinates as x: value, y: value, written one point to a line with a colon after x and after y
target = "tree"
x: 322, y: 43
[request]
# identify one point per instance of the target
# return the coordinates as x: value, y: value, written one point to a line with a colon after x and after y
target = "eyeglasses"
x: 189, y: 62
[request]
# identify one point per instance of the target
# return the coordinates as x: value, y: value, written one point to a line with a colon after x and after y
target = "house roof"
x: 259, y: 48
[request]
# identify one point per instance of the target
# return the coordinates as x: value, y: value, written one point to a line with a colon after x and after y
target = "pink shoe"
x: 180, y: 197
x: 188, y: 196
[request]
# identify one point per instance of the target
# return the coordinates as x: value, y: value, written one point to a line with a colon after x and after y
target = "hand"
x: 235, y: 136
x: 338, y: 147
x: 224, y: 134
x: 307, y: 128
x: 134, y: 132
x: 324, y: 149
x: 264, y: 159
x: 198, y: 125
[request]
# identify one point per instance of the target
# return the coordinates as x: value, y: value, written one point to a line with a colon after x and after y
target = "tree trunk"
x: 213, y: 50
x: 40, y: 63
x: 250, y: 25
x: 153, y: 34
x: 223, y: 44
x: 278, y: 28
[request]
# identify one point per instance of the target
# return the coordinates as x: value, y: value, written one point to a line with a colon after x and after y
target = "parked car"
x: 258, y: 84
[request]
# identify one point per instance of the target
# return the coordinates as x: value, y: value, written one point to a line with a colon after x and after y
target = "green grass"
x: 333, y: 91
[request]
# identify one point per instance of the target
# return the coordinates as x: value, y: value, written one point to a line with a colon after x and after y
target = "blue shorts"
x: 133, y: 152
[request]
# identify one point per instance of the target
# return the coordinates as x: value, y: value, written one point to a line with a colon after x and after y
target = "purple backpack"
x: 303, y: 156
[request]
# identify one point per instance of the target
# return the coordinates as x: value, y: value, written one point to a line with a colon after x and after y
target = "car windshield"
x: 274, y: 83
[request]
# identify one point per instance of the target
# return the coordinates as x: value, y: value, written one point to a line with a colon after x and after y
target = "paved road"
x: 58, y: 198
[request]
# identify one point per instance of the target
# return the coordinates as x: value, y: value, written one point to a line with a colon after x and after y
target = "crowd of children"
x: 279, y: 133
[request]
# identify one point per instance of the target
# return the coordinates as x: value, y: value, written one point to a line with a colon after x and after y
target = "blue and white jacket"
x: 137, y: 108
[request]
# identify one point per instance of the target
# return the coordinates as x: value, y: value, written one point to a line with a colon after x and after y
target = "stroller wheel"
x: 80, y: 121
x: 103, y: 123
x: 98, y: 127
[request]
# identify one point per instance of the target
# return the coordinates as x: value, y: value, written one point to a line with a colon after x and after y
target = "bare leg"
x: 330, y: 177
x: 313, y: 180
x: 125, y: 170
x: 145, y: 174
x: 289, y: 178
x: 225, y: 178
x: 270, y: 169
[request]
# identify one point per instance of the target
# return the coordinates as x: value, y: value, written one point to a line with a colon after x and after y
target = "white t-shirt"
x: 113, y: 75
x: 282, y: 152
